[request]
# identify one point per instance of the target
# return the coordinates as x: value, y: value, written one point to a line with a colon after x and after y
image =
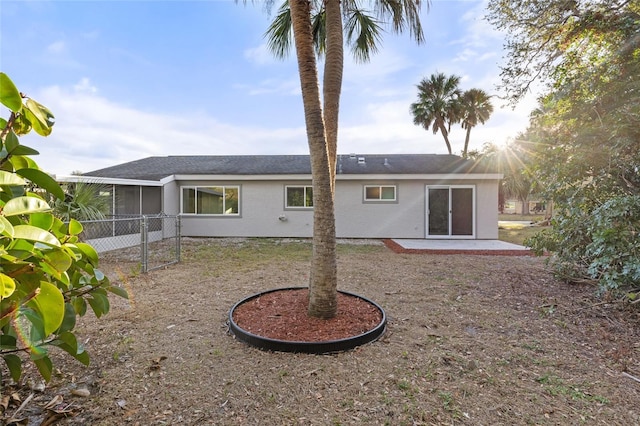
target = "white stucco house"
x: 377, y: 196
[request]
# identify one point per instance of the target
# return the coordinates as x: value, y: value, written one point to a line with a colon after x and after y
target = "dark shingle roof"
x: 156, y: 168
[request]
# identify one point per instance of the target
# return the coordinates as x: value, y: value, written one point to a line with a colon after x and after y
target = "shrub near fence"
x: 158, y: 238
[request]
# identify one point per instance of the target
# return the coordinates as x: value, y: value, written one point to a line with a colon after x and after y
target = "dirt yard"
x: 471, y: 340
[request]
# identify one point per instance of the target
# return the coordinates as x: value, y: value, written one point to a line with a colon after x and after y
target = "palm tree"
x: 438, y: 104
x: 331, y: 21
x: 318, y: 28
x: 83, y: 201
x: 323, y: 276
x: 475, y: 108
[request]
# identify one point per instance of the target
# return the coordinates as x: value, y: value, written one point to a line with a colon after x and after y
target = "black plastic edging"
x: 322, y: 347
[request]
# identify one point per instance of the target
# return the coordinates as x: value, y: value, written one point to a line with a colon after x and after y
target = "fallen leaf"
x: 81, y: 392
x: 18, y: 422
x: 55, y: 401
x: 155, y: 363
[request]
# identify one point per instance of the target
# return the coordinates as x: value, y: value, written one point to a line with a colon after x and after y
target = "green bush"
x: 47, y: 276
x: 600, y: 243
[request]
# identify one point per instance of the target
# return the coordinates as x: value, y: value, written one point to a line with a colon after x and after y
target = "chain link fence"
x: 158, y: 238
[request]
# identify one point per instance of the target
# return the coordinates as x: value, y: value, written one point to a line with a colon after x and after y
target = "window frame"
x: 195, y: 206
x: 380, y: 199
x: 286, y: 197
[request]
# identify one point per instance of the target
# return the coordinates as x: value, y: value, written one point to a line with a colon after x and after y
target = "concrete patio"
x: 480, y: 247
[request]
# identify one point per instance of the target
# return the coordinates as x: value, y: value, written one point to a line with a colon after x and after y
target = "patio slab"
x: 480, y: 247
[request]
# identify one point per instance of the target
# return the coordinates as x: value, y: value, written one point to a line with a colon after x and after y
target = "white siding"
x: 403, y: 218
x: 263, y: 214
x: 261, y: 206
x: 487, y: 210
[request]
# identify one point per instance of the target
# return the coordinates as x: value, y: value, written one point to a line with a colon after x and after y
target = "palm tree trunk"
x: 525, y: 206
x: 323, y: 277
x: 445, y: 135
x: 466, y: 142
x: 332, y: 85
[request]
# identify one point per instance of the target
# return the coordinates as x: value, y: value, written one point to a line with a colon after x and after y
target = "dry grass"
x: 474, y: 340
x: 518, y: 234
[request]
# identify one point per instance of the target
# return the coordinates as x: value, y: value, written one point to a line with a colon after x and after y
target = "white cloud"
x: 92, y: 132
x: 84, y: 85
x: 273, y: 86
x: 57, y: 47
x: 479, y: 32
x: 260, y: 55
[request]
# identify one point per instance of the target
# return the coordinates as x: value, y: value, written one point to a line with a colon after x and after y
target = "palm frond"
x: 83, y: 201
x: 279, y: 35
x: 403, y: 14
x: 363, y: 34
x: 319, y: 28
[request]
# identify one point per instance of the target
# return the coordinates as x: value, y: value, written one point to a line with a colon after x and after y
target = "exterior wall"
x: 261, y: 205
x: 487, y: 210
x: 171, y: 198
x: 263, y: 213
x: 404, y: 218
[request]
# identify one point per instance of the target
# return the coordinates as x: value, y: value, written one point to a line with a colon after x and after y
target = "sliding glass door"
x: 450, y: 211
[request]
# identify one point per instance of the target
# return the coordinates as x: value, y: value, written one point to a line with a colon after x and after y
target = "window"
x: 299, y: 197
x: 380, y: 193
x: 214, y: 200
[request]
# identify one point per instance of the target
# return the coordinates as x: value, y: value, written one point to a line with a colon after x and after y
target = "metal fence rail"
x: 157, y: 236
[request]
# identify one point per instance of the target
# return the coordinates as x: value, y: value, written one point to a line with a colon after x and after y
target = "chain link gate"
x: 162, y: 250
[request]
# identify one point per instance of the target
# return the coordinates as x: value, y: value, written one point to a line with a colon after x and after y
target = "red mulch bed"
x: 282, y: 315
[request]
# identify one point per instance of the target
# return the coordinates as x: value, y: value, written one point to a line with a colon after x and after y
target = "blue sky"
x: 132, y: 79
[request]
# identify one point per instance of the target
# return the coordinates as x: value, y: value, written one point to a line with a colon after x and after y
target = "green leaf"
x: 45, y: 367
x: 22, y: 162
x: 11, y: 141
x: 24, y: 150
x: 7, y: 286
x: 118, y: 291
x: 75, y: 227
x: 6, y: 228
x: 9, y: 94
x: 24, y: 205
x: 36, y: 331
x: 10, y: 179
x: 7, y: 341
x: 40, y: 117
x: 42, y: 220
x: 43, y: 180
x: 21, y: 125
x: 88, y: 251
x: 70, y: 340
x: 99, y: 303
x: 79, y: 305
x: 50, y: 303
x: 14, y: 364
x: 82, y: 356
x: 68, y: 343
x: 57, y: 261
x: 69, y: 321
x: 31, y: 233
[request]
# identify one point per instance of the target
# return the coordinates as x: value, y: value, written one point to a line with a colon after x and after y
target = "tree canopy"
x: 48, y: 277
x: 442, y: 103
x: 584, y: 139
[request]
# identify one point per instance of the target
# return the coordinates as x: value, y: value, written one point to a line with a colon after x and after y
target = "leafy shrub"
x: 47, y: 276
x: 600, y: 243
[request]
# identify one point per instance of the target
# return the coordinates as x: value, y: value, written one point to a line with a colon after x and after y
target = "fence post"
x: 144, y: 243
x: 178, y: 237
